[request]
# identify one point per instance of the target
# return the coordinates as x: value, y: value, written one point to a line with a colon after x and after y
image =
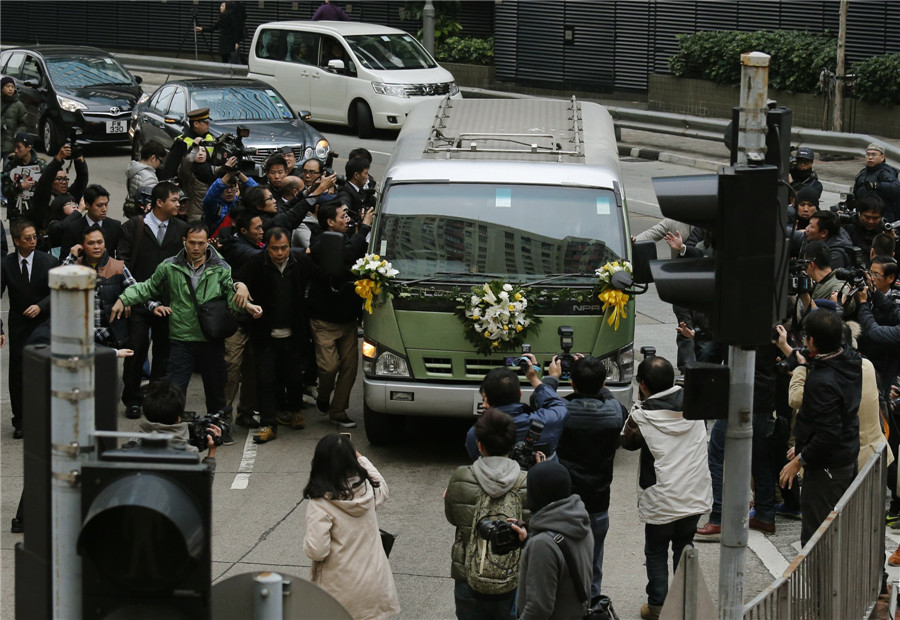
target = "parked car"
x: 231, y: 102
x: 66, y: 86
x: 363, y: 75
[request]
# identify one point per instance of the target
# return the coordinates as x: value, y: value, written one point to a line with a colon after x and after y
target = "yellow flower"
x: 506, y: 327
x: 518, y: 296
x: 512, y: 307
x: 518, y: 328
x: 495, y: 344
x: 487, y: 334
x: 475, y: 317
x: 376, y: 257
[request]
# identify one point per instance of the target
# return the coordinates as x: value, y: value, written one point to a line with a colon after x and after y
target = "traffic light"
x: 145, y: 536
x: 742, y: 286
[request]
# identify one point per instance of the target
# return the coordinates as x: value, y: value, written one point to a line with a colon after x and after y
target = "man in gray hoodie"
x: 143, y: 172
x: 494, y: 474
x: 559, y: 526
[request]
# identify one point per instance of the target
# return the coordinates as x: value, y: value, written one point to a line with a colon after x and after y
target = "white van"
x: 363, y: 75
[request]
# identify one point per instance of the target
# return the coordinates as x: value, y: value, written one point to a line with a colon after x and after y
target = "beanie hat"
x: 547, y: 482
x: 808, y: 194
x: 875, y: 147
x: 6, y: 80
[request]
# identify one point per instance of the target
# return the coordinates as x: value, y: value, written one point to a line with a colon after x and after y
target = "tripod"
x: 206, y: 40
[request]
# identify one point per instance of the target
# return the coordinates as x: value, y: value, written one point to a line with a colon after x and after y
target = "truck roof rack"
x: 565, y: 138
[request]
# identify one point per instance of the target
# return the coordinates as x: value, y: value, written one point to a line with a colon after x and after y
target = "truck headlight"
x: 383, y: 362
x: 620, y: 367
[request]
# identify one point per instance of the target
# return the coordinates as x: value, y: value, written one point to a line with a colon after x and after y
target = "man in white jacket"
x: 674, y: 486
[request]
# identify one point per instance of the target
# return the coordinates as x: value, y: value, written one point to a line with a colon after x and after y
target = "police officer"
x: 198, y: 129
x: 191, y: 163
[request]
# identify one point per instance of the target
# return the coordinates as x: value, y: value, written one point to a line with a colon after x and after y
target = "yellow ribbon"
x: 616, y: 299
x: 367, y: 289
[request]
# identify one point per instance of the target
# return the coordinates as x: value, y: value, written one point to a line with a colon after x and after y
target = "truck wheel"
x: 365, y: 127
x: 51, y: 136
x: 382, y: 428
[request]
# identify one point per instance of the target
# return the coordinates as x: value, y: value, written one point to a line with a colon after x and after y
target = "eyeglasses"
x: 307, y: 171
x: 873, y: 153
x: 875, y: 275
x: 28, y: 237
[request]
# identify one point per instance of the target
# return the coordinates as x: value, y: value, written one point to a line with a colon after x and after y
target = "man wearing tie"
x: 145, y: 242
x: 96, y: 204
x: 25, y: 274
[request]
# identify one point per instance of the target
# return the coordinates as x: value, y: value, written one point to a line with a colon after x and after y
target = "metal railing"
x: 838, y: 573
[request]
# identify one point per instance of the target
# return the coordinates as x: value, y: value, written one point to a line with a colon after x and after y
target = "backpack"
x: 487, y: 572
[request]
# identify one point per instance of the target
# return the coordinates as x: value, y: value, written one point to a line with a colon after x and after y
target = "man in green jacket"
x: 199, y: 266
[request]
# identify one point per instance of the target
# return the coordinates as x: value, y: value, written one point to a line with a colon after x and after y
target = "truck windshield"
x: 521, y: 232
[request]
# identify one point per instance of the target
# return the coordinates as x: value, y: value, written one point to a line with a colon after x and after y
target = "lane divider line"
x: 242, y: 478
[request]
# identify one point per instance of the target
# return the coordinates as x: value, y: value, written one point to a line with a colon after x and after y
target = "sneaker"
x: 227, y: 439
x: 133, y: 412
x: 344, y: 422
x: 322, y: 406
x: 264, y: 434
x: 783, y: 510
x: 891, y: 518
x: 894, y: 560
x: 18, y: 526
x: 246, y: 420
x: 651, y: 612
x: 709, y: 533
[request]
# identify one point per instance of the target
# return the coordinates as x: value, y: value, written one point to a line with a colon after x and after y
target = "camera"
x: 328, y: 169
x: 523, y: 362
x: 788, y: 364
x: 856, y: 276
x: 72, y: 141
x: 500, y: 534
x: 229, y: 145
x: 525, y: 452
x: 198, y: 429
x: 566, y: 359
x: 798, y: 280
x: 368, y: 198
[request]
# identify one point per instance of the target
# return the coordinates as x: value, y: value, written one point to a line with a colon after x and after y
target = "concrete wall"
x: 703, y: 98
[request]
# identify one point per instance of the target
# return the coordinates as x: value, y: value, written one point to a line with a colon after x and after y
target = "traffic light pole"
x: 739, y: 436
x: 71, y: 425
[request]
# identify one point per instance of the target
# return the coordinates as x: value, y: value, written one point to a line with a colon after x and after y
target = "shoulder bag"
x: 216, y: 320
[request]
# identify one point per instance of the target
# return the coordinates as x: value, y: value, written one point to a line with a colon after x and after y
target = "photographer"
x: 819, y: 270
x: 883, y: 272
x: 880, y: 179
x: 555, y: 567
x: 223, y: 195
x: 587, y: 449
x: 807, y: 203
x: 163, y: 406
x: 883, y: 244
x: 675, y: 487
x: 92, y: 211
x: 21, y: 170
x: 500, y: 389
x: 54, y: 182
x: 825, y: 226
x: 313, y: 173
x: 493, y: 485
x: 261, y: 201
x: 351, y: 192
x: 801, y: 175
x: 879, y: 341
x: 867, y: 222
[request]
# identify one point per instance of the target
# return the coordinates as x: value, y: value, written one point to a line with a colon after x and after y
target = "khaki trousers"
x: 338, y: 361
x: 240, y: 365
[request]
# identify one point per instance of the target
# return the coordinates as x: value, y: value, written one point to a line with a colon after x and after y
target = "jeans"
x: 599, y: 528
x: 471, y: 605
x: 656, y: 546
x: 209, y: 357
x: 760, y: 469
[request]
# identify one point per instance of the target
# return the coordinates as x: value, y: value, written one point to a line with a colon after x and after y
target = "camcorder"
x: 72, y: 141
x: 523, y: 363
x: 230, y: 145
x: 565, y: 357
x: 788, y: 364
x: 198, y: 429
x: 525, y: 452
x: 849, y: 215
x: 798, y: 280
x: 500, y: 534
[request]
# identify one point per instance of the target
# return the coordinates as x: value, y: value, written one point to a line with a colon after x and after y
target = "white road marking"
x: 768, y: 554
x: 242, y: 478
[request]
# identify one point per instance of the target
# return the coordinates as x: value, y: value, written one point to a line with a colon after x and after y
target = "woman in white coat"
x: 342, y: 537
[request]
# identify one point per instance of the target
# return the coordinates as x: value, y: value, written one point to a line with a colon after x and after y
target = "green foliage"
x: 798, y: 57
x: 467, y: 50
x: 878, y: 79
x: 445, y: 13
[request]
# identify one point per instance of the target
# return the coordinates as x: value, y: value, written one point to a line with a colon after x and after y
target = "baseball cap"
x: 804, y: 152
x: 24, y: 138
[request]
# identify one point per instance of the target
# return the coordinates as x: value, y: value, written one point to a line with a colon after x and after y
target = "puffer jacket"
x: 886, y: 185
x: 13, y: 121
x: 138, y: 175
x: 169, y: 281
x: 494, y: 475
x: 673, y: 478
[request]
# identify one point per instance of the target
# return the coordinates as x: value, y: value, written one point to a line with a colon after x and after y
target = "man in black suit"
x: 350, y: 194
x: 25, y: 274
x: 96, y: 204
x: 146, y: 241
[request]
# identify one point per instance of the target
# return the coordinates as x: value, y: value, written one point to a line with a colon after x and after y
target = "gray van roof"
x: 507, y: 140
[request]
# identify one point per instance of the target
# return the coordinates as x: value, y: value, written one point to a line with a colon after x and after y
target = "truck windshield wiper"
x: 555, y: 276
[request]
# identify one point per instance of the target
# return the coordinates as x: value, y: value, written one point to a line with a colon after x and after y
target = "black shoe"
x: 246, y: 420
x: 227, y: 439
x: 18, y: 433
x: 322, y: 406
x: 18, y: 526
x: 133, y: 412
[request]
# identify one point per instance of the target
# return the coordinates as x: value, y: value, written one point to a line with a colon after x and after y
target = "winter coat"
x: 333, y: 298
x: 13, y: 122
x: 344, y: 544
x: 826, y: 431
x: 886, y: 185
x: 13, y: 171
x: 216, y: 208
x: 673, y: 478
x: 588, y: 445
x: 237, y: 249
x: 139, y: 175
x: 169, y: 280
x: 880, y: 342
x: 43, y: 190
x: 545, y: 405
x: 546, y: 590
x: 494, y: 475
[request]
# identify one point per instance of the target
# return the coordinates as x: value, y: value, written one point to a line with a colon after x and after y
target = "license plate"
x: 478, y: 404
x: 116, y: 127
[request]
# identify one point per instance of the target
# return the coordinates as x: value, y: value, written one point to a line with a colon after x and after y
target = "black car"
x: 66, y: 86
x: 252, y: 104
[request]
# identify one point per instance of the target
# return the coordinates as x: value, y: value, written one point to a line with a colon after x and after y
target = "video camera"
x: 798, y: 280
x: 72, y: 141
x: 566, y: 359
x: 500, y: 534
x: 229, y: 145
x: 198, y: 429
x: 848, y: 215
x: 525, y: 452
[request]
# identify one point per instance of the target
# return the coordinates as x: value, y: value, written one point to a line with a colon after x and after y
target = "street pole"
x: 71, y: 425
x: 739, y: 435
x: 428, y: 27
x: 837, y: 120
